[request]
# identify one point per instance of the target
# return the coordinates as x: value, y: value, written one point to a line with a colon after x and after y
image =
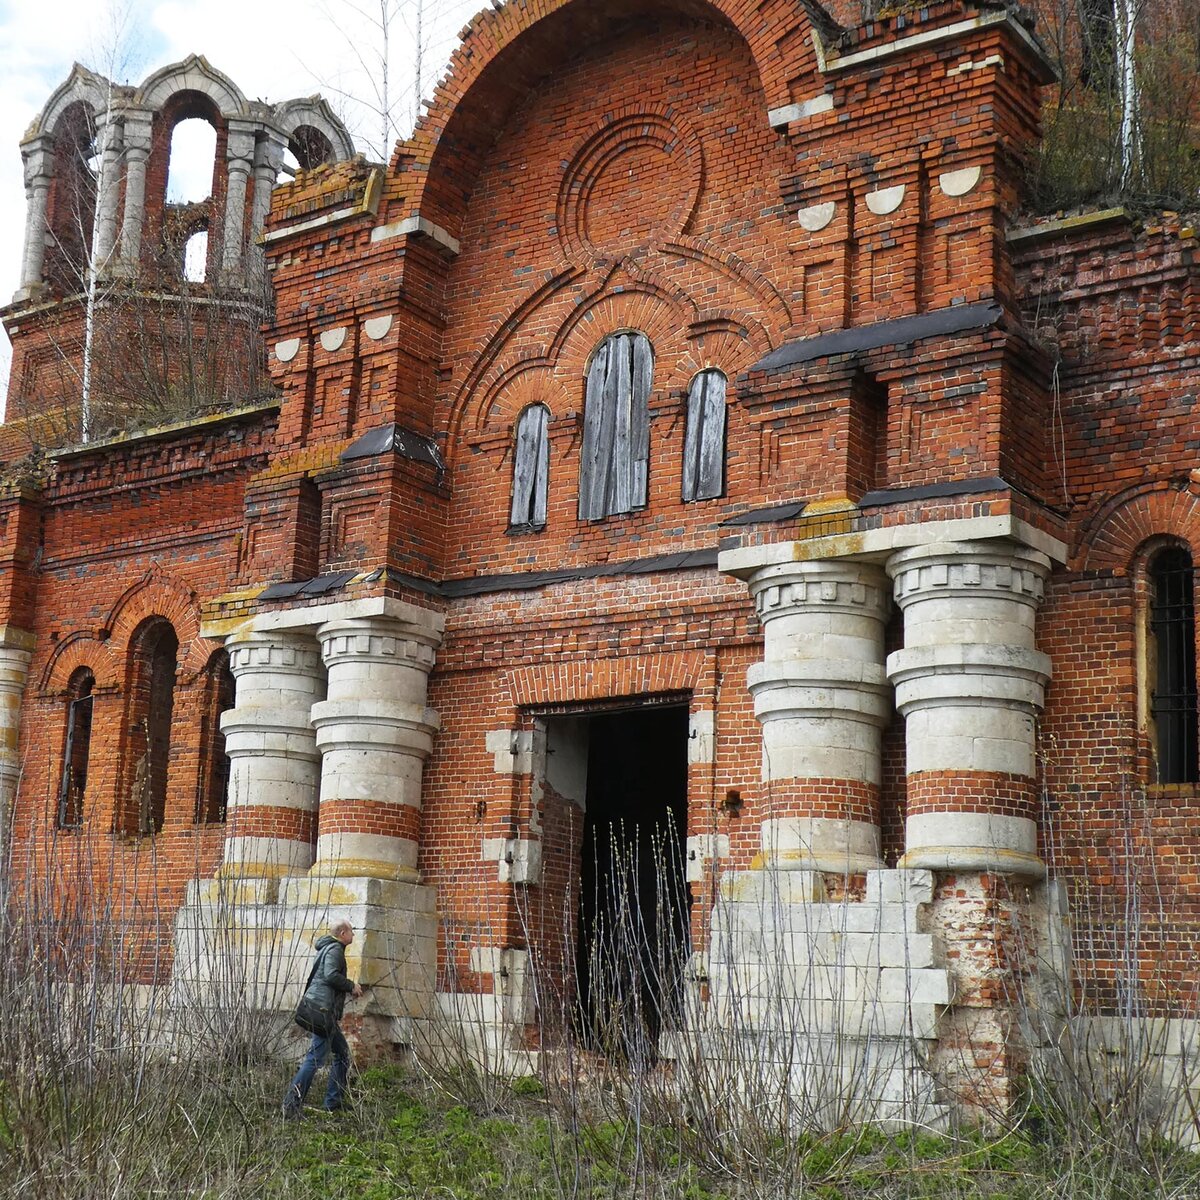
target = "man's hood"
x: 327, y: 940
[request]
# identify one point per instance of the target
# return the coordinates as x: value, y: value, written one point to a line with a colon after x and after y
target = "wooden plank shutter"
x: 594, y: 456
x: 530, y: 465
x: 704, y: 442
x: 620, y: 386
x: 639, y: 439
x: 616, y: 427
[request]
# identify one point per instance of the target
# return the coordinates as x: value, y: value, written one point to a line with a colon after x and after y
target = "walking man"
x: 330, y: 987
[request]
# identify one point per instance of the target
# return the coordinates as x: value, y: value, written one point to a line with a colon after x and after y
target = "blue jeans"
x: 298, y: 1088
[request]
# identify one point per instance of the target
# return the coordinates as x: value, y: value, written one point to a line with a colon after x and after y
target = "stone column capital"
x: 1001, y: 569
x: 830, y: 585
x: 377, y: 640
x: 37, y: 157
x: 275, y: 650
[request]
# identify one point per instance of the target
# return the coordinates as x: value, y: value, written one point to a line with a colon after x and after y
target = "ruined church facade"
x: 686, y: 431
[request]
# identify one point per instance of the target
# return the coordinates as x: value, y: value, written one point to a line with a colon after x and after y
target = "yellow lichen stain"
x: 835, y: 545
x: 304, y: 462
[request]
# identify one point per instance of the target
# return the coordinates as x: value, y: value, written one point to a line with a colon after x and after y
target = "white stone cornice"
x: 874, y: 545
x: 416, y: 622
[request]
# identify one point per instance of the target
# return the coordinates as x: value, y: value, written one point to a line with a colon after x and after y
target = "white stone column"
x: 375, y: 733
x: 268, y: 158
x: 274, y: 761
x: 822, y: 697
x: 137, y: 152
x: 110, y: 135
x: 38, y: 155
x: 970, y: 683
x: 16, y: 651
x: 239, y: 162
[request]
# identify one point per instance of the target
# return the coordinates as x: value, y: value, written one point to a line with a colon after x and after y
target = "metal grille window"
x: 616, y: 427
x: 1173, y: 630
x: 704, y: 441
x: 77, y: 751
x: 530, y: 469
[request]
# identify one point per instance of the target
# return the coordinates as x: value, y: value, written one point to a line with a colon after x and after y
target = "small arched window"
x: 214, y: 761
x: 1173, y: 671
x: 192, y: 161
x: 616, y: 427
x: 151, y: 709
x: 77, y: 749
x: 195, y: 257
x: 531, y: 458
x: 704, y: 441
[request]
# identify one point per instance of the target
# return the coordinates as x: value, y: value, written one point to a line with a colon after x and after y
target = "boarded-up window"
x: 77, y: 750
x: 531, y: 458
x: 616, y: 427
x: 704, y: 443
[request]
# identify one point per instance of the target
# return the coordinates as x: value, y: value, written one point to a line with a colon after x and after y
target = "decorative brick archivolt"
x: 602, y: 212
x: 1113, y: 538
x: 662, y: 314
x: 157, y: 595
x: 81, y: 650
x: 633, y: 293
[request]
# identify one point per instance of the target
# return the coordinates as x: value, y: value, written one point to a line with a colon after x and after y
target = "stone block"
x: 769, y: 888
x: 899, y: 887
x: 915, y: 986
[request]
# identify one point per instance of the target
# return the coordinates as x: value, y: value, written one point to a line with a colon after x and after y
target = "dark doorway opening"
x: 633, y: 929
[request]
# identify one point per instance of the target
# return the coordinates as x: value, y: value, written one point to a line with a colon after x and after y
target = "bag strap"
x: 313, y: 973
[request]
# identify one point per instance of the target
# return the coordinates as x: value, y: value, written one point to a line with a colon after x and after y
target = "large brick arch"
x: 507, y: 52
x: 1111, y: 540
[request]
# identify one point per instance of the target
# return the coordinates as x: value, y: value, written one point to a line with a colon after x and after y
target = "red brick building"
x: 689, y: 428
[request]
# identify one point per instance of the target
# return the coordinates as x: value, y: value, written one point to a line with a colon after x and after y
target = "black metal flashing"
x: 899, y: 331
x: 396, y: 440
x: 765, y: 516
x: 308, y: 587
x: 482, y: 585
x: 934, y: 491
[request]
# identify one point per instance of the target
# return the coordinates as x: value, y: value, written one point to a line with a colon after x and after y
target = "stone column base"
x: 248, y: 944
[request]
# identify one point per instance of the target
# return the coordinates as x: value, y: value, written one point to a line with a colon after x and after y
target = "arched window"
x: 151, y: 708
x: 195, y: 257
x: 616, y: 427
x: 191, y: 165
x: 214, y: 761
x: 704, y: 441
x: 1173, y: 669
x: 531, y: 457
x: 77, y: 749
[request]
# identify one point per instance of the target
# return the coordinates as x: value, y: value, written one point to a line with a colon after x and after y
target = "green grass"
x: 221, y: 1137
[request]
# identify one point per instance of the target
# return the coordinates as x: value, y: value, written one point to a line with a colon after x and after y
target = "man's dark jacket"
x: 330, y: 985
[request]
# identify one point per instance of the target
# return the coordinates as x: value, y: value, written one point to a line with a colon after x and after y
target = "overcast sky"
x: 272, y: 49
